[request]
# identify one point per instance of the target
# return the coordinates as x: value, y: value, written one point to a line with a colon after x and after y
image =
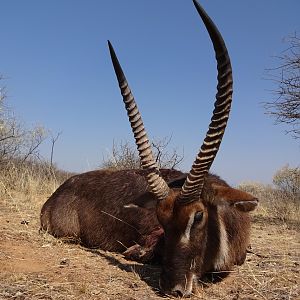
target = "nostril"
x: 177, y: 293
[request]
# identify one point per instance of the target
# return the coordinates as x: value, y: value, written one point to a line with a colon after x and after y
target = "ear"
x: 246, y: 205
x: 239, y: 199
x: 147, y: 200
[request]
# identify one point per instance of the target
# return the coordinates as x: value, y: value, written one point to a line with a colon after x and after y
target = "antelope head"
x: 190, y: 209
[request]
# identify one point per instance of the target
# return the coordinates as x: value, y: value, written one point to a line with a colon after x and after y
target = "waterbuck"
x: 196, y: 223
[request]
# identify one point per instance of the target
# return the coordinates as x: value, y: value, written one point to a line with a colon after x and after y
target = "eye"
x: 198, y: 216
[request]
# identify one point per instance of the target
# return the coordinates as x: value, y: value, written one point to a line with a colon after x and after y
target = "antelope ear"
x: 246, y: 205
x: 239, y: 199
x: 147, y: 200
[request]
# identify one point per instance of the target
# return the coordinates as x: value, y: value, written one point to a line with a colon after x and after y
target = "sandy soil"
x: 34, y: 265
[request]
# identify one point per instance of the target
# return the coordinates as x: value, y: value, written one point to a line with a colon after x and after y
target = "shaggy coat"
x: 115, y: 211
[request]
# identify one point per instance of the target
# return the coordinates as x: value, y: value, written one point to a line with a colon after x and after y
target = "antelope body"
x: 195, y: 223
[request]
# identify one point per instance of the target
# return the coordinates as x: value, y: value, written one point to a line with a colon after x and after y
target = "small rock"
x: 64, y: 262
x: 133, y: 285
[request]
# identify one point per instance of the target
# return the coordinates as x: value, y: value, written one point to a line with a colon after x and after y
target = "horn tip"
x: 118, y: 70
x: 111, y: 49
x: 201, y: 10
x: 197, y: 4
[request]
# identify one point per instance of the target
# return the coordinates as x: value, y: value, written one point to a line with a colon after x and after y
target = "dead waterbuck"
x: 195, y: 222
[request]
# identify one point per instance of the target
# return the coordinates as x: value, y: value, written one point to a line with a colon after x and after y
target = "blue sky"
x: 59, y: 74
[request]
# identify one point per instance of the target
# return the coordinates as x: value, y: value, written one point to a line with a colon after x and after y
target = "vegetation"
x: 22, y: 169
x: 285, y: 105
x: 125, y: 156
x: 16, y: 141
x: 282, y: 199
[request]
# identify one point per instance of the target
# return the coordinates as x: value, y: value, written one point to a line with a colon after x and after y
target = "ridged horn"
x: 157, y: 184
x: 193, y: 185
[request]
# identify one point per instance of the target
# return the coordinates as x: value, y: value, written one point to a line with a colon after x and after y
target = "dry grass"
x: 30, y: 178
x: 37, y: 266
x: 275, y: 202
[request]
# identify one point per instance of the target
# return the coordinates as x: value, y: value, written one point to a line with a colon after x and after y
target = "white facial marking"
x: 223, y: 253
x: 185, y: 238
x: 193, y: 264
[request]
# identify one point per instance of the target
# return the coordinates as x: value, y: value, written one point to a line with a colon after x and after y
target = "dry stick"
x: 122, y: 244
x: 257, y: 254
x: 104, y: 212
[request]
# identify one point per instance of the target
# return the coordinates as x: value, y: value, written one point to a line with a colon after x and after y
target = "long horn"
x: 157, y: 184
x: 193, y: 185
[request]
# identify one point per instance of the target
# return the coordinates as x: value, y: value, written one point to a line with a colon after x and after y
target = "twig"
x: 104, y: 212
x: 257, y: 254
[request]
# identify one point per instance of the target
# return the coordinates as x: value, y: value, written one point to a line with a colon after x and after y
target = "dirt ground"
x: 34, y: 265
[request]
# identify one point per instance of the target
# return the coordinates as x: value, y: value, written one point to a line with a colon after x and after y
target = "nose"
x: 177, y: 289
x: 177, y: 293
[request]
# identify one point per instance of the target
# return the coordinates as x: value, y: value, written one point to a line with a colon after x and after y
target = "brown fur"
x: 115, y: 211
x: 202, y: 248
x: 89, y: 208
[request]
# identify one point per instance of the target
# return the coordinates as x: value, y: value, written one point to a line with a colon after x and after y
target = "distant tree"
x: 287, y: 180
x: 285, y: 106
x: 53, y: 141
x: 16, y: 141
x: 125, y: 156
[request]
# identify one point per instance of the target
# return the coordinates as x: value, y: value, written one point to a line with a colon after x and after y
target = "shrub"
x: 125, y: 156
x: 287, y: 180
x: 282, y: 199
